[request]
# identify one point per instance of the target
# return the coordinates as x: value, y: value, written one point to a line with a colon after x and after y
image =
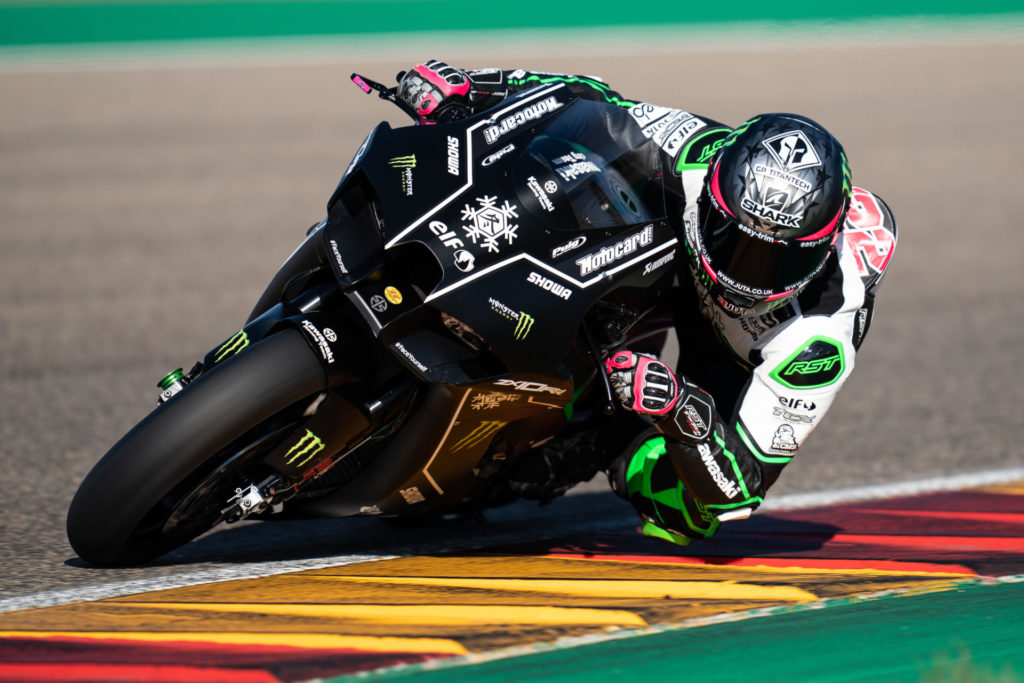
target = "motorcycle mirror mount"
x: 385, y: 93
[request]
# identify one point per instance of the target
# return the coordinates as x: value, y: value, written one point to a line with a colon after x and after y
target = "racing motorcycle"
x: 442, y: 325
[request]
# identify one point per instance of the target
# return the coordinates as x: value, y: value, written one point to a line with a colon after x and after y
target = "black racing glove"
x: 686, y: 415
x: 644, y: 384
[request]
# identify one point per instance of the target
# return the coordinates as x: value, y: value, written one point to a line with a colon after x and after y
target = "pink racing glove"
x: 642, y: 383
x: 436, y: 91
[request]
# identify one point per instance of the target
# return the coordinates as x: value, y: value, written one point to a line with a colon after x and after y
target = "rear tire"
x: 122, y: 512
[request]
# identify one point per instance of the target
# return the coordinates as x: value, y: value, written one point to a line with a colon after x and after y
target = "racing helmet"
x: 772, y: 204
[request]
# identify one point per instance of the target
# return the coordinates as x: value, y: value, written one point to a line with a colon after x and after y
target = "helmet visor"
x: 753, y: 263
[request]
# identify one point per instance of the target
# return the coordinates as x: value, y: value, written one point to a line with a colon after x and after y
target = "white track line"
x: 951, y: 482
x: 260, y: 569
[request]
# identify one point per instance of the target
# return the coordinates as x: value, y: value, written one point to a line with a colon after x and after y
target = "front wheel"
x: 169, y: 478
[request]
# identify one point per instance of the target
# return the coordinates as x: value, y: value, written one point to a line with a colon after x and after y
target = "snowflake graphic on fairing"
x: 490, y: 223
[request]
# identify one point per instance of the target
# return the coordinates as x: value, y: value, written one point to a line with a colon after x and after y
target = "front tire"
x: 125, y: 511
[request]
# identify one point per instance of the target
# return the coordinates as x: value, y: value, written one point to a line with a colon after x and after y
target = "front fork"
x: 332, y: 430
x: 334, y: 424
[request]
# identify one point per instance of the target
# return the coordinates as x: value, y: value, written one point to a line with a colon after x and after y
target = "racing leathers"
x: 747, y: 391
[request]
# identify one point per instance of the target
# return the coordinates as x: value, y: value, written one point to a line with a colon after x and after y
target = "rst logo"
x: 818, y: 363
x: 549, y: 285
x: 808, y: 367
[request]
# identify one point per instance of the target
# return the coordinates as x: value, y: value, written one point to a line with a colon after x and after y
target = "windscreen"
x: 608, y: 176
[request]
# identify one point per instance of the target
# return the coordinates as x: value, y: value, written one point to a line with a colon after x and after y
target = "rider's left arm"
x: 440, y: 92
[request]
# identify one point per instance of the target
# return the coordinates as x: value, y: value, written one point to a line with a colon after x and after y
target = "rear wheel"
x: 169, y: 478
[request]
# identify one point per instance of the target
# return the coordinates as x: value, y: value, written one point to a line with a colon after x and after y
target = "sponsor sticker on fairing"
x: 320, y: 340
x: 453, y: 155
x: 571, y: 171
x: 658, y: 263
x: 525, y: 115
x: 615, y: 252
x: 405, y: 165
x: 400, y: 347
x: 523, y: 320
x: 488, y: 160
x: 302, y: 452
x: 492, y: 399
x: 535, y: 387
x: 540, y: 193
x: 571, y: 245
x: 549, y: 285
x: 489, y: 222
x: 337, y: 257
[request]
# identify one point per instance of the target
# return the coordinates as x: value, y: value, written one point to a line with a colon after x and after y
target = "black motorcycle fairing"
x: 352, y: 234
x: 559, y: 171
x: 440, y: 270
x: 297, y: 271
x: 465, y: 429
x: 457, y: 298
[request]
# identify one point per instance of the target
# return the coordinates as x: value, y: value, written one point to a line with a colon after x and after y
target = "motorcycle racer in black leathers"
x: 783, y: 259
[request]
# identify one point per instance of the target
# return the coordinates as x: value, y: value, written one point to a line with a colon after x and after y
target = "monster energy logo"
x: 308, y: 446
x: 524, y: 321
x: 482, y: 431
x: 232, y: 346
x: 524, y: 325
x: 403, y: 162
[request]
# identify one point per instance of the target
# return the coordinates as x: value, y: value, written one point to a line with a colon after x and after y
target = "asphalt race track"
x: 143, y: 207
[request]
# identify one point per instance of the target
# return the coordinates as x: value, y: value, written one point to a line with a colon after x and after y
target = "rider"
x: 783, y: 259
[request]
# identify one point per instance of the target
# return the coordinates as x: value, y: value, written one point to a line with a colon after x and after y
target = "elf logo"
x: 797, y: 403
